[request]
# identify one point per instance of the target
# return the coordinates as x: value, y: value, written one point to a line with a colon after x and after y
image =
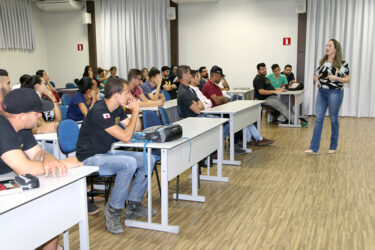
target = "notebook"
x: 9, y: 187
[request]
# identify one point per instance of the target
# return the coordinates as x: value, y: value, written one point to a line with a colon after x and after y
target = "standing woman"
x: 332, y: 73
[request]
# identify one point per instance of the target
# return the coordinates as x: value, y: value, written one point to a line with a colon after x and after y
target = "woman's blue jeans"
x: 331, y: 99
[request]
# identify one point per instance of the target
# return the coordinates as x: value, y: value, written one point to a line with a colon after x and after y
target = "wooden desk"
x: 31, y: 218
x: 206, y: 136
x: 241, y: 115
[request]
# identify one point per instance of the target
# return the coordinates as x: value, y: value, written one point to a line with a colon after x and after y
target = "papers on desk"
x: 9, y: 187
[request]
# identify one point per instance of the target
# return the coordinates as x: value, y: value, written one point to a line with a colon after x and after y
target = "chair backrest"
x: 150, y: 118
x: 53, y: 84
x: 164, y: 116
x: 66, y: 98
x: 70, y: 85
x: 64, y: 110
x: 67, y: 134
x: 166, y: 95
x: 179, y: 111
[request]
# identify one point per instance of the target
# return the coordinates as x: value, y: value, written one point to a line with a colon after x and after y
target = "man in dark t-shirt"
x: 187, y: 99
x: 167, y: 84
x: 289, y: 74
x: 19, y: 152
x: 98, y: 131
x: 263, y: 90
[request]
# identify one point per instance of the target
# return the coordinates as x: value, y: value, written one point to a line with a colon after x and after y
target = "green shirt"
x: 277, y: 82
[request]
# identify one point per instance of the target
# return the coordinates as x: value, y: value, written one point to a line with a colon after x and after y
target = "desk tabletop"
x: 297, y: 92
x: 46, y: 137
x: 191, y: 128
x: 239, y: 90
x: 47, y: 185
x: 232, y: 107
x: 168, y: 104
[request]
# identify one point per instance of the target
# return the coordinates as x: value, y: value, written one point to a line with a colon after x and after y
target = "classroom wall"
x: 64, y: 31
x: 57, y: 35
x: 236, y: 35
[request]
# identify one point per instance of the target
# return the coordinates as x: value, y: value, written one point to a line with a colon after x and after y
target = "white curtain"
x: 16, y: 30
x: 135, y: 34
x: 352, y: 23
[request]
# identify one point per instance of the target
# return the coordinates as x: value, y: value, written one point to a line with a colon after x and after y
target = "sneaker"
x: 264, y: 142
x: 91, y: 207
x: 136, y: 209
x: 239, y: 151
x: 112, y: 219
x: 310, y: 152
x: 304, y: 124
x: 252, y: 142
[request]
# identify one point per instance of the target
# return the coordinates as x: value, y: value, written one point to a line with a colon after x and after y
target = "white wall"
x: 64, y: 30
x: 57, y: 35
x: 237, y: 35
x: 18, y: 62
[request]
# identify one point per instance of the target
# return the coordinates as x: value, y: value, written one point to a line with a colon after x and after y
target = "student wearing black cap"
x: 19, y: 152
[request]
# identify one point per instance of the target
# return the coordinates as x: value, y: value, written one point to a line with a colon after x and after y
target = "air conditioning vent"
x: 59, y: 5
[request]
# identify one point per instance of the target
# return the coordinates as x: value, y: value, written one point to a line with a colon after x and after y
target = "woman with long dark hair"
x: 331, y: 75
x: 83, y: 100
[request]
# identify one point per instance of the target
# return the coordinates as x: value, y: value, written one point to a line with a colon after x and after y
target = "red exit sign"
x: 80, y: 47
x: 286, y: 41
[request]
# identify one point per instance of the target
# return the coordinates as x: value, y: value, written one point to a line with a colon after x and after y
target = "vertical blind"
x: 16, y: 30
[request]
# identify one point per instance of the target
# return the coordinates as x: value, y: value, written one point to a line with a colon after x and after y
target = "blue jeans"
x: 252, y: 131
x: 331, y: 98
x: 124, y: 164
x: 226, y: 126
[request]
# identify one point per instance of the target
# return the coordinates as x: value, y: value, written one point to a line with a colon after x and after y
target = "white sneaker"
x: 311, y: 152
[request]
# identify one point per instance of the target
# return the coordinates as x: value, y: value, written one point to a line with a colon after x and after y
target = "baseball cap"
x: 217, y: 70
x: 25, y: 100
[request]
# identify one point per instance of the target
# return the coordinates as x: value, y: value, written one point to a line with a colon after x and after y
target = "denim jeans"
x: 252, y: 131
x: 124, y: 164
x: 226, y: 127
x: 331, y: 98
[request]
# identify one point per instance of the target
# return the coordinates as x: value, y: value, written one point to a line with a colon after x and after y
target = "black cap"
x: 217, y: 70
x: 24, y: 100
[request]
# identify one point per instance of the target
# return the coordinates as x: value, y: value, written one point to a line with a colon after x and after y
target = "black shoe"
x: 92, y: 208
x: 136, y: 209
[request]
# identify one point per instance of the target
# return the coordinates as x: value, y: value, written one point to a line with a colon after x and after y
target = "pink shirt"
x: 206, y: 102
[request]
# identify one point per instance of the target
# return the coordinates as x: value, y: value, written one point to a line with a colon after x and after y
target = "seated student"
x: 167, y: 84
x: 83, y: 100
x: 113, y: 71
x: 50, y: 119
x: 44, y: 75
x: 134, y: 82
x: 19, y: 152
x: 277, y: 80
x: 263, y: 90
x: 173, y: 74
x: 145, y: 77
x: 194, y: 84
x: 4, y: 85
x: 102, y: 78
x: 203, y: 73
x: 151, y: 88
x: 211, y: 89
x: 98, y: 130
x: 289, y: 74
x: 22, y: 80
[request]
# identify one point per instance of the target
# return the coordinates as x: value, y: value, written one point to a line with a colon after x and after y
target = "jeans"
x: 331, y: 98
x: 123, y: 164
x: 226, y: 126
x: 280, y: 106
x: 252, y: 131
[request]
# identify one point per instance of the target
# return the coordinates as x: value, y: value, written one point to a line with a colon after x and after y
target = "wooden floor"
x: 279, y: 198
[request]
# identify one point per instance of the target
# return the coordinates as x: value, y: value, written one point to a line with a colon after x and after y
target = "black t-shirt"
x: 93, y: 139
x: 290, y: 77
x: 202, y: 82
x: 173, y: 92
x: 185, y: 98
x: 10, y: 140
x: 261, y: 82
